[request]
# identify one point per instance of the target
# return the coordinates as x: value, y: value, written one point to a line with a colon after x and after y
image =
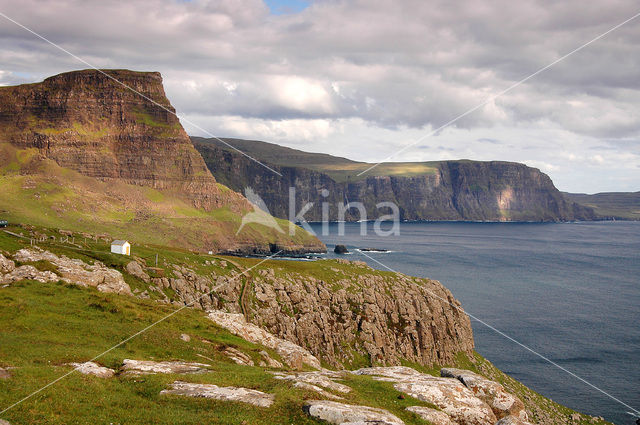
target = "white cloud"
x: 363, y: 77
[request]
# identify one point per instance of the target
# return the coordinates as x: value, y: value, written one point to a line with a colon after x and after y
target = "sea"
x: 569, y: 292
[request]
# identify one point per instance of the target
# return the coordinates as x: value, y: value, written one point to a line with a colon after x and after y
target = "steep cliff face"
x: 455, y: 190
x: 83, y: 152
x: 345, y: 313
x: 90, y: 123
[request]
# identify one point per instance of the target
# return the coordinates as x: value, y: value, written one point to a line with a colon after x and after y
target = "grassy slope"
x: 40, y: 192
x: 619, y: 205
x: 43, y: 326
x: 339, y: 169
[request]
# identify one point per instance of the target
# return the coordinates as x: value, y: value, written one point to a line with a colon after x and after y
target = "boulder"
x: 501, y: 402
x: 512, y: 420
x: 28, y: 272
x: 340, y: 249
x: 343, y: 414
x: 143, y: 367
x: 4, y: 374
x: 323, y: 378
x: 3, y: 422
x: 91, y: 368
x: 238, y: 356
x: 244, y: 395
x: 6, y: 265
x: 135, y: 269
x: 77, y: 272
x: 294, y: 355
x: 268, y: 361
x: 436, y: 417
x: 450, y: 395
x: 185, y: 337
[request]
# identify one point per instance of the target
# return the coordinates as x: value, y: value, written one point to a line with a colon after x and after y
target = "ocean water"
x: 569, y: 291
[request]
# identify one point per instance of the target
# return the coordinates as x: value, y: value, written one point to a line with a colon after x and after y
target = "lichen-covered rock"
x: 268, y: 361
x: 343, y: 414
x: 135, y: 269
x: 91, y: 368
x: 293, y: 354
x: 142, y: 367
x: 4, y: 374
x: 238, y: 356
x: 6, y: 265
x: 323, y: 378
x: 244, y: 395
x: 78, y: 272
x: 449, y: 394
x: 512, y: 420
x: 28, y: 272
x: 502, y: 403
x: 436, y: 417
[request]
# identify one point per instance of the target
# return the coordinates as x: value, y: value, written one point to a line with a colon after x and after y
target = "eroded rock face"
x: 86, y: 121
x: 436, y: 417
x: 343, y: 414
x: 91, y: 368
x: 502, y: 403
x: 6, y: 265
x: 142, y: 367
x: 268, y: 361
x: 244, y: 395
x: 135, y: 269
x: 76, y: 271
x: 293, y: 354
x: 384, y: 318
x: 449, y: 394
x: 28, y: 272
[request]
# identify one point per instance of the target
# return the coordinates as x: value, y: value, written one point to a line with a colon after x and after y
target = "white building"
x: 121, y: 247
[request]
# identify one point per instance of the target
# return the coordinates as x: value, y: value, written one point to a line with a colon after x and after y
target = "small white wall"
x: 122, y: 250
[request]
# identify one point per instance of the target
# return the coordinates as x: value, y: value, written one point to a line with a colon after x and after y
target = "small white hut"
x: 121, y: 247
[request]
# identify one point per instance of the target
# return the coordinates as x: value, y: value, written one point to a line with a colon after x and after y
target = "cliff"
x: 90, y: 123
x: 610, y: 205
x: 91, y: 154
x: 446, y: 190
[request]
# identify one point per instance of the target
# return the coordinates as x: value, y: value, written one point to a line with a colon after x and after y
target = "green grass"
x: 55, y: 197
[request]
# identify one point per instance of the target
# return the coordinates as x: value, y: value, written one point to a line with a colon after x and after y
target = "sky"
x: 364, y: 79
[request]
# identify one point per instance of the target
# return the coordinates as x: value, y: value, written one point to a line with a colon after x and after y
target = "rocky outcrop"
x: 436, y: 417
x: 294, y: 355
x: 91, y: 368
x: 144, y: 367
x: 75, y: 271
x: 243, y: 395
x: 318, y: 381
x: 501, y: 402
x: 28, y: 273
x: 382, y: 318
x: 453, y: 190
x: 344, y: 414
x: 448, y: 394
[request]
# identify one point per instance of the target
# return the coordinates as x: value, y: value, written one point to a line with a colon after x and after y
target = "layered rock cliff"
x: 90, y: 122
x: 454, y: 190
x: 103, y: 151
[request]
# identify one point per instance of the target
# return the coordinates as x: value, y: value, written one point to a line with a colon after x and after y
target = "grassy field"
x: 45, y: 326
x: 40, y: 192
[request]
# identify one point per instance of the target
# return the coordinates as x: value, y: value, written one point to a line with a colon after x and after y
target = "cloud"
x: 364, y: 76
